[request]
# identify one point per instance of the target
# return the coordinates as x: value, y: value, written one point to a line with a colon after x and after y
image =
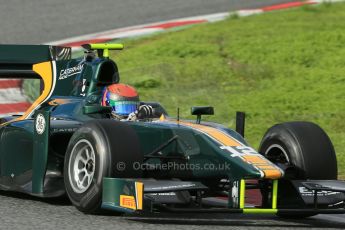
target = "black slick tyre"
x: 303, y: 150
x: 303, y: 145
x: 95, y: 150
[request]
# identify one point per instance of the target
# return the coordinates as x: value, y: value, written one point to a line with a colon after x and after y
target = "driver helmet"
x: 122, y: 98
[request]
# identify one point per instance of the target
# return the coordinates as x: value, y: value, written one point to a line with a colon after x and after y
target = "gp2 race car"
x: 67, y: 143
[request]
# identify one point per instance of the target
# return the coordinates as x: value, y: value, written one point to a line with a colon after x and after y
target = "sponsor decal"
x: 63, y: 130
x: 234, y: 194
x: 336, y: 204
x: 40, y: 123
x: 174, y: 187
x: 163, y: 194
x: 66, y: 73
x: 83, y: 88
x: 128, y: 202
x: 306, y: 192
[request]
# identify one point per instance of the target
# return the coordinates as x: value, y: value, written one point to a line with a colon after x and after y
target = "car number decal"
x: 237, y: 151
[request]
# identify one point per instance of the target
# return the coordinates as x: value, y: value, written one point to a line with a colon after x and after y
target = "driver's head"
x: 122, y: 98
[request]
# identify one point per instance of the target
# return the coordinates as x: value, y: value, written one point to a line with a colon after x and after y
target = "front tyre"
x: 304, y: 150
x: 303, y: 146
x: 92, y: 154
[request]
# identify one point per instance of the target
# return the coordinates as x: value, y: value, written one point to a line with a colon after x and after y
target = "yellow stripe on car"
x: 216, y: 134
x: 271, y: 171
x: 139, y: 187
x: 268, y: 169
x: 45, y: 71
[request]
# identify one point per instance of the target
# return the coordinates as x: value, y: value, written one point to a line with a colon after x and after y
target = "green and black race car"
x: 67, y: 143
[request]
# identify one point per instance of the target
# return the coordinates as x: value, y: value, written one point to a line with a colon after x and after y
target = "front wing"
x: 149, y: 195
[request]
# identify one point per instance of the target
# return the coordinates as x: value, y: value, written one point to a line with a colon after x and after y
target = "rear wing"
x: 17, y: 60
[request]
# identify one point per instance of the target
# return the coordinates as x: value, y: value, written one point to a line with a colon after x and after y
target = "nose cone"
x: 250, y: 164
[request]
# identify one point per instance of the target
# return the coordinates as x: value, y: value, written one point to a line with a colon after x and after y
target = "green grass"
x: 31, y: 88
x: 277, y: 67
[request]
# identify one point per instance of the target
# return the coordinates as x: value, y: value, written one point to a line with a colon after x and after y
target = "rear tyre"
x: 303, y: 147
x: 95, y: 151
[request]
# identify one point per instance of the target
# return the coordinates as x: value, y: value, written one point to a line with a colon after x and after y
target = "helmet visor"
x: 124, y: 108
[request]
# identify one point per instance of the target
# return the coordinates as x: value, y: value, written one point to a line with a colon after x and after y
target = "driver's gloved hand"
x: 145, y: 111
x: 132, y: 116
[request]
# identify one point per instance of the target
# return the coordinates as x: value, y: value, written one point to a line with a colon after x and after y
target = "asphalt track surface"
x: 41, y: 21
x: 35, y: 21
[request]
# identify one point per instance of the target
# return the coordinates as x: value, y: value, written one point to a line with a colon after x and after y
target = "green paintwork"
x: 200, y: 150
x: 24, y: 53
x: 113, y: 188
x: 40, y: 152
x: 89, y: 109
x: 16, y: 143
x: 17, y: 60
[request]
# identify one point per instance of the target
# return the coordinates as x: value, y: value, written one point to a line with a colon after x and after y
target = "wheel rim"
x: 277, y: 154
x: 81, y: 166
